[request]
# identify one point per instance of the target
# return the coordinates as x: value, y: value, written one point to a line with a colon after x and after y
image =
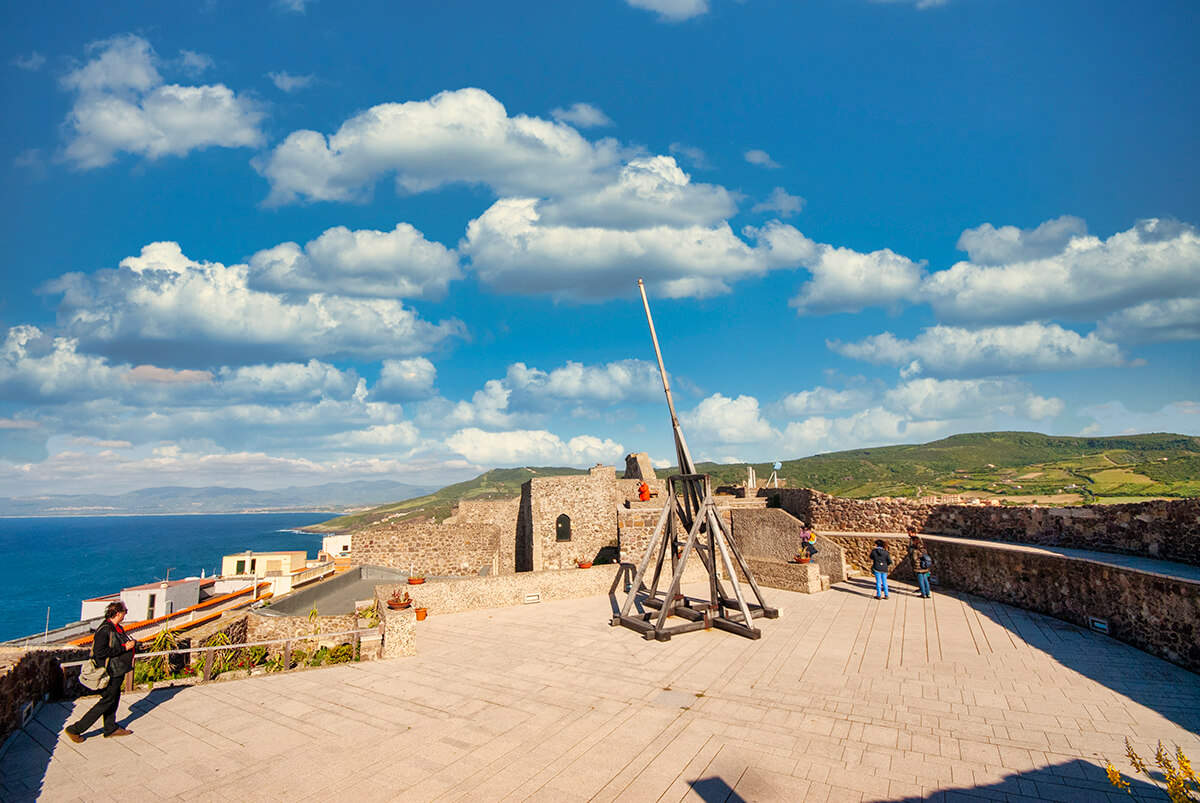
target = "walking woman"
x: 880, y: 561
x: 922, y: 563
x: 113, y: 645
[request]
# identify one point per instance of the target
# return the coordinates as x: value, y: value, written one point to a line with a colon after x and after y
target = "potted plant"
x: 583, y: 562
x: 416, y: 578
x: 421, y: 613
x: 399, y: 600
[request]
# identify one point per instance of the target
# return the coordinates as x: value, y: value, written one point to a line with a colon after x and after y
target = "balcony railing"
x: 214, y: 664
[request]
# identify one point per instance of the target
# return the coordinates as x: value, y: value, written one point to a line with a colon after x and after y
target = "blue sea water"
x: 56, y: 563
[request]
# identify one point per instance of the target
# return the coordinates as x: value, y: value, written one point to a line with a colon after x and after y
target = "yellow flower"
x: 1114, y: 776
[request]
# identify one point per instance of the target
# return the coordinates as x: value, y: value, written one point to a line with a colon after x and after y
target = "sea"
x: 53, y: 564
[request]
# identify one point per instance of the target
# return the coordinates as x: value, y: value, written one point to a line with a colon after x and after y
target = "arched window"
x: 562, y: 528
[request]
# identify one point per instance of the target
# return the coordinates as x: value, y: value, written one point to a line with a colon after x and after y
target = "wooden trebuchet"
x: 689, y: 523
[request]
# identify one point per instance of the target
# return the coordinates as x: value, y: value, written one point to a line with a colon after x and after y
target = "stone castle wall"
x: 480, y: 534
x: 29, y: 674
x: 590, y: 501
x: 1163, y: 529
x: 1156, y: 614
x: 773, y: 534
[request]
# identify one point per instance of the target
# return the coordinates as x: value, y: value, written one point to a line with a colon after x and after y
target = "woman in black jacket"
x: 881, y: 559
x: 112, y: 644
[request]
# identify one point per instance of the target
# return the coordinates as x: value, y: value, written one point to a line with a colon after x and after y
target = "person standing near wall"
x: 113, y: 645
x: 922, y: 562
x: 880, y: 561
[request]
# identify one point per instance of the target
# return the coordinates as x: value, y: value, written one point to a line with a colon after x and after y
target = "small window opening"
x: 562, y: 528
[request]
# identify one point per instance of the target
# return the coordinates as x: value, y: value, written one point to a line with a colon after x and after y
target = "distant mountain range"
x: 335, y: 497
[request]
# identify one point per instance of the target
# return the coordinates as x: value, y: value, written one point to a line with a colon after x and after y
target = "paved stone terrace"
x: 844, y: 699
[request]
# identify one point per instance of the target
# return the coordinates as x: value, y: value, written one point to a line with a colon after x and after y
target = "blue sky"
x: 274, y: 243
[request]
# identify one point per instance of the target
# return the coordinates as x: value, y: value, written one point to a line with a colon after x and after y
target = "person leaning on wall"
x: 113, y: 645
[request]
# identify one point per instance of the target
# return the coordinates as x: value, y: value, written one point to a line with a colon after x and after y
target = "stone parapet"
x: 774, y: 534
x: 28, y: 675
x: 1155, y: 613
x: 262, y: 626
x: 481, y: 534
x: 1163, y: 529
x: 480, y: 593
x: 802, y: 577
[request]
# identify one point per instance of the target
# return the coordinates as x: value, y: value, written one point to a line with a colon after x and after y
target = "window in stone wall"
x: 562, y: 528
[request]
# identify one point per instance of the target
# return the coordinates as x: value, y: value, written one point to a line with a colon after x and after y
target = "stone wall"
x: 1163, y: 529
x: 802, y: 577
x: 635, y: 525
x: 1153, y: 613
x: 28, y: 675
x: 857, y: 551
x: 262, y: 626
x: 590, y: 501
x: 774, y: 534
x: 480, y: 593
x: 480, y: 534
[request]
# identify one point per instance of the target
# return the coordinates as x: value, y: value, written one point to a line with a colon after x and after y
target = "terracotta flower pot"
x: 421, y: 613
x: 398, y: 606
x: 585, y: 564
x: 416, y: 581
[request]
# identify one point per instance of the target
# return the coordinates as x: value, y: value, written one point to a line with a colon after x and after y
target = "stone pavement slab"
x: 843, y: 698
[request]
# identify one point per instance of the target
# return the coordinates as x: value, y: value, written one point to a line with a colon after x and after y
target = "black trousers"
x: 106, y: 706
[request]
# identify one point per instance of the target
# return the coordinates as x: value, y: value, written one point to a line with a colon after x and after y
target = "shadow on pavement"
x: 1169, y: 690
x: 1072, y: 781
x: 28, y: 752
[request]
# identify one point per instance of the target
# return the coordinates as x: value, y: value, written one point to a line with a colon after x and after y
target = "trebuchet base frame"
x: 690, y: 523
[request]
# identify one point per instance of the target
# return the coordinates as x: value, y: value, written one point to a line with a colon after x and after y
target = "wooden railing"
x: 210, y: 652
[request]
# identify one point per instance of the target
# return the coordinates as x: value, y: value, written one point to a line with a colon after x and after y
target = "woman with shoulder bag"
x: 113, y: 645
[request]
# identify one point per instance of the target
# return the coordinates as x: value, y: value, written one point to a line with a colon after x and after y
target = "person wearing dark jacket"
x: 113, y: 645
x: 922, y: 563
x: 881, y: 559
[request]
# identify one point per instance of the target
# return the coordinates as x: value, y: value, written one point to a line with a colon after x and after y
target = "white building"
x: 149, y: 601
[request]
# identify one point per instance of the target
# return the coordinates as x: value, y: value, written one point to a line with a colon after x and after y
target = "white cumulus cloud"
x: 532, y: 447
x: 1057, y: 271
x: 924, y: 399
x: 399, y: 263
x: 581, y: 115
x: 673, y: 10
x: 762, y: 159
x: 844, y: 280
x: 647, y: 192
x: 780, y: 201
x: 727, y: 421
x: 1175, y: 319
x: 290, y: 83
x: 514, y: 251
x: 405, y: 380
x: 456, y: 136
x: 163, y: 303
x: 123, y: 105
x: 947, y: 351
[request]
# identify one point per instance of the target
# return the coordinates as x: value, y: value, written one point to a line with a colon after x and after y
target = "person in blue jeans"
x: 881, y: 559
x: 922, y: 563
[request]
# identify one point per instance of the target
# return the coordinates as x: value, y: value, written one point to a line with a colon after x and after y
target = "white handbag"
x: 94, y: 676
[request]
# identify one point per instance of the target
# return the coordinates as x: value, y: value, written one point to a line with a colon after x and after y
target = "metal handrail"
x: 139, y: 655
x: 211, y: 650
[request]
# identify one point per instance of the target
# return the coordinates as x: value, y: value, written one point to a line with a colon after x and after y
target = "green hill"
x: 498, y: 483
x: 1000, y: 464
x: 1018, y: 465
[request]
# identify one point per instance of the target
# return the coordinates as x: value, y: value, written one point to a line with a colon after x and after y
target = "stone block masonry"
x: 1162, y: 529
x: 1157, y: 614
x: 27, y: 675
x: 480, y: 534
